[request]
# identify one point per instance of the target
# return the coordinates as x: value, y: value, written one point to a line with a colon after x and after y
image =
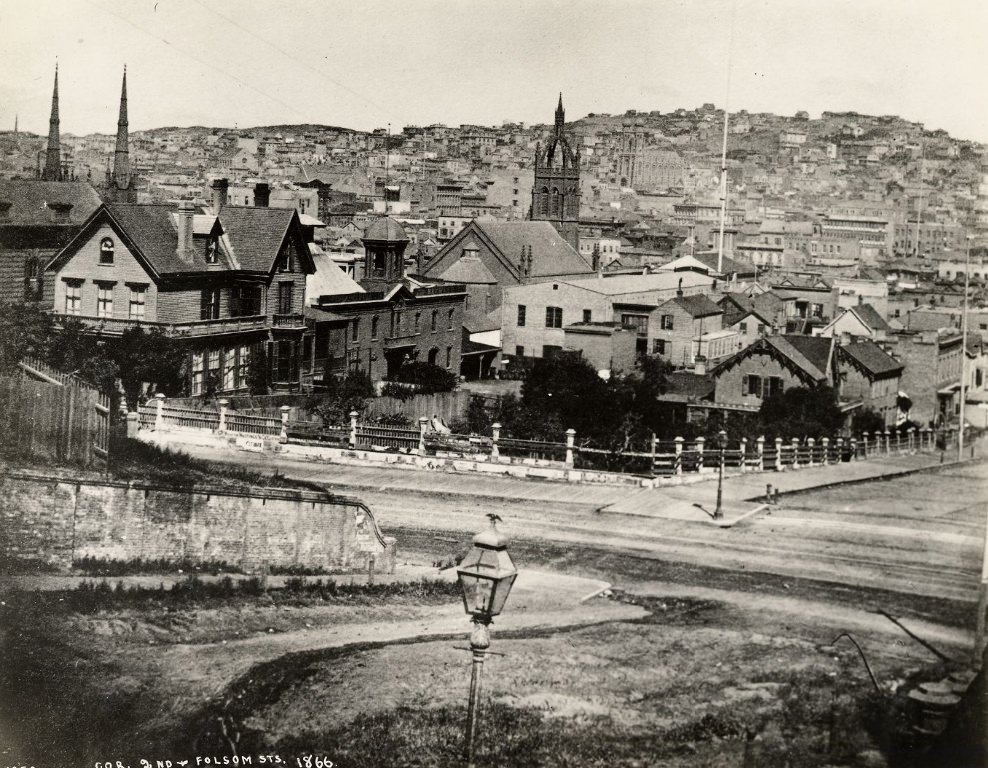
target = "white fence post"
x: 679, y: 455
x: 570, y: 442
x: 795, y: 453
x: 811, y: 444
x: 760, y: 442
x: 744, y: 454
x: 353, y: 429
x: 496, y: 432
x: 284, y: 422
x: 826, y: 450
x: 423, y: 421
x: 840, y: 450
x: 864, y: 444
x: 159, y: 415
x: 700, y: 442
x: 888, y: 443
x: 221, y: 427
x: 778, y: 454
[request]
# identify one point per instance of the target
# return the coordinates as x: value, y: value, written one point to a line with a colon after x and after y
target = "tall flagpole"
x: 723, y: 152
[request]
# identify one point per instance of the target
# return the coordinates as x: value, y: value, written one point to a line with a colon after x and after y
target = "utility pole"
x: 963, y: 392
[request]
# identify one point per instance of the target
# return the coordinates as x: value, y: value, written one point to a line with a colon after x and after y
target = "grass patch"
x: 92, y: 597
x: 132, y: 459
x: 101, y: 566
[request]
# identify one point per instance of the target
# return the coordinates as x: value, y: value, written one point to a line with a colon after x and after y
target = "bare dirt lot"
x: 714, y: 647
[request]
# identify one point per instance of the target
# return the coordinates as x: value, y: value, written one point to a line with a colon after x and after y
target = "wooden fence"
x: 48, y: 419
x: 447, y: 406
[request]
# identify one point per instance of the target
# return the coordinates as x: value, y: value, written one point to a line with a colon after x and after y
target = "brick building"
x: 386, y: 320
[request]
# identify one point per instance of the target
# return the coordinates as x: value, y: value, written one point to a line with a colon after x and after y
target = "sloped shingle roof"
x: 698, y: 305
x: 31, y: 200
x: 871, y: 357
x: 551, y: 254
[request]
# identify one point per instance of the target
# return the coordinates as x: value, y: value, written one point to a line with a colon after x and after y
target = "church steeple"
x: 556, y: 191
x: 121, y: 156
x: 53, y: 157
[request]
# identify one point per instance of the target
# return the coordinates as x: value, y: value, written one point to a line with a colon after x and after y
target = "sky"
x: 366, y: 63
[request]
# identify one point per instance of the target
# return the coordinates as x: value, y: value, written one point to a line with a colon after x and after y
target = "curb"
x: 872, y: 479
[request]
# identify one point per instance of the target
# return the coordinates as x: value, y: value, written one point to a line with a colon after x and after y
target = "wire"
x: 208, y: 64
x: 294, y: 58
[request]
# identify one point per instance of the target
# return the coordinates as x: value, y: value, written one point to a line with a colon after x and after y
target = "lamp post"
x: 722, y: 444
x: 486, y: 576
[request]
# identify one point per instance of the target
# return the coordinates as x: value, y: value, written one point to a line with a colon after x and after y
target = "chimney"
x: 219, y: 188
x: 679, y: 288
x: 700, y: 366
x: 61, y: 211
x: 262, y: 194
x: 184, y: 248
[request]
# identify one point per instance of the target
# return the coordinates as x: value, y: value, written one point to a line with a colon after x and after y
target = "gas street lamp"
x: 486, y: 576
x: 722, y: 444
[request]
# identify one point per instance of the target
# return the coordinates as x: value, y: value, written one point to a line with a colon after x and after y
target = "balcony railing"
x: 296, y: 320
x: 192, y: 328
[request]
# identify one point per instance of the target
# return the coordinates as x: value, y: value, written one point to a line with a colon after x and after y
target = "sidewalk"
x: 695, y: 501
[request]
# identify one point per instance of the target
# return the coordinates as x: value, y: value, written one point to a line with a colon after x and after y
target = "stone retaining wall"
x: 61, y: 518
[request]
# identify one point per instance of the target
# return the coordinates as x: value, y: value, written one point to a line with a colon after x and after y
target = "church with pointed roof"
x: 121, y: 184
x: 556, y: 191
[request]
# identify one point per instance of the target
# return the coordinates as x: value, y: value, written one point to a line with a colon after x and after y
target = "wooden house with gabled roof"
x: 228, y: 281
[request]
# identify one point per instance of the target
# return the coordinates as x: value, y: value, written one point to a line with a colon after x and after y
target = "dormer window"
x: 106, y: 250
x: 212, y: 251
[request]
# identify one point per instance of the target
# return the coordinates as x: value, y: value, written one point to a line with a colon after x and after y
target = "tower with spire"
x: 120, y: 183
x: 556, y: 191
x: 53, y: 156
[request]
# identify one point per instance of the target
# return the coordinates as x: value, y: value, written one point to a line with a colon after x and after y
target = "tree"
x: 25, y: 331
x: 148, y: 357
x: 801, y: 412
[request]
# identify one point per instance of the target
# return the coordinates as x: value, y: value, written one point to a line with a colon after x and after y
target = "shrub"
x: 428, y: 377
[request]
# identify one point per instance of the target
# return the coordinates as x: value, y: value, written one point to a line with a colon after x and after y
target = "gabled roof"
x: 813, y: 352
x: 31, y: 201
x: 698, y: 305
x: 870, y: 317
x: 808, y: 357
x: 386, y: 229
x: 469, y: 270
x: 869, y: 358
x: 551, y: 255
x: 252, y: 238
x: 328, y: 280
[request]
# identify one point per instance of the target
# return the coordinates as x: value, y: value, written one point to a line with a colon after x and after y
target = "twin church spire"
x: 119, y: 183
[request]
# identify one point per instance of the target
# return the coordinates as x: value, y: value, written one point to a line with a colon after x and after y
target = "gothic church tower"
x: 120, y: 184
x: 53, y: 157
x: 556, y: 192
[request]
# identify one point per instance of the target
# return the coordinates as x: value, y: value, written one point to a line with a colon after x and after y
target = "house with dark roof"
x: 770, y: 366
x: 871, y: 376
x: 503, y: 254
x: 37, y: 219
x: 684, y: 322
x: 228, y: 281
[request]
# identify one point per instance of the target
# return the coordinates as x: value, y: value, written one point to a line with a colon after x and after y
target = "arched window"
x: 106, y: 250
x: 555, y: 203
x: 543, y: 202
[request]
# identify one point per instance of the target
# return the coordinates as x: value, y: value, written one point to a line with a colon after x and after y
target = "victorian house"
x: 228, y: 281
